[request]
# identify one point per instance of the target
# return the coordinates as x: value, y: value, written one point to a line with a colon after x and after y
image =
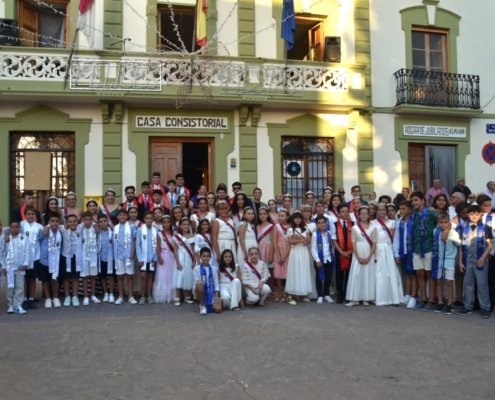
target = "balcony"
x: 437, y: 89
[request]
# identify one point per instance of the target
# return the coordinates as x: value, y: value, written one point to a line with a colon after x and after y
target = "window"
x: 35, y: 19
x: 430, y: 51
x: 184, y: 18
x: 307, y: 165
x: 61, y: 146
x: 308, y: 40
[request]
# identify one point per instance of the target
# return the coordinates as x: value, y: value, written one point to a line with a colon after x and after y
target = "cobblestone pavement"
x: 308, y: 351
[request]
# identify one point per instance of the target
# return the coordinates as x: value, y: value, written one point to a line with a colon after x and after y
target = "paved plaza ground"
x: 308, y: 351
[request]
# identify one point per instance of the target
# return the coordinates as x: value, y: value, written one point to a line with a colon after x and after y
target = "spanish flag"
x: 201, y: 24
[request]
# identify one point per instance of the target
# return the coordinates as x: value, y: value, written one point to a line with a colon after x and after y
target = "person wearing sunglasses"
x: 472, y: 198
x: 341, y: 191
x: 461, y: 187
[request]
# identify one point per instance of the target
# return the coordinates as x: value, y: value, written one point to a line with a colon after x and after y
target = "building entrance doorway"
x: 191, y: 157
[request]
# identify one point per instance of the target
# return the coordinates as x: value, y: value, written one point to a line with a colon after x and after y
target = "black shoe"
x: 36, y: 300
x: 25, y: 305
x: 485, y: 314
x: 439, y: 307
x: 340, y: 300
x: 449, y: 310
x: 464, y: 311
x: 32, y: 305
x: 458, y: 304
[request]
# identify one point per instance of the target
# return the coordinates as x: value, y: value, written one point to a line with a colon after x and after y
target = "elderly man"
x: 461, y: 187
x: 433, y: 191
x: 490, y: 192
x: 455, y: 199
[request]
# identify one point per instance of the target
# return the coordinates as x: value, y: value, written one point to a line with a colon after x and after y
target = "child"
x: 264, y: 230
x: 147, y: 248
x: 124, y: 247
x: 206, y: 287
x: 458, y: 223
x: 321, y: 249
x: 156, y: 185
x: 2, y: 250
x: 202, y: 204
x: 361, y: 285
x: 388, y: 283
x: 424, y: 223
x: 105, y: 259
x: 89, y: 256
x: 229, y: 277
x: 49, y: 263
x: 134, y: 216
x: 31, y: 229
x: 310, y: 226
x: 372, y: 209
x: 392, y: 212
x: 170, y: 199
x: 183, y: 202
x: 184, y: 258
x: 203, y: 239
x: 144, y: 198
x: 309, y: 199
x: 223, y: 234
x: 282, y: 249
x: 177, y: 215
x: 157, y: 218
x: 70, y: 264
x: 332, y: 209
x: 298, y: 269
x: 476, y: 245
x: 343, y: 253
x: 181, y: 189
x: 445, y: 243
x: 357, y: 202
x: 164, y: 286
x: 247, y: 234
x: 403, y: 249
x: 157, y: 202
x: 18, y: 257
x: 254, y: 277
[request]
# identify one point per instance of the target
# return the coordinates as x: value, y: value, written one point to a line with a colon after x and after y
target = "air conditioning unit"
x: 293, y: 169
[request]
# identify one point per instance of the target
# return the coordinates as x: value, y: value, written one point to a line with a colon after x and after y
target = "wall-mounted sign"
x: 435, y: 131
x: 488, y: 153
x: 233, y: 163
x: 218, y: 123
x: 490, y: 128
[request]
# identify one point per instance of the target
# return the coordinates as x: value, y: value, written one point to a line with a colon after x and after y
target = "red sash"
x: 228, y: 275
x: 126, y: 203
x: 138, y: 224
x: 365, y: 235
x: 230, y: 226
x: 334, y: 213
x: 264, y: 233
x: 253, y: 269
x: 306, y: 226
x: 198, y: 216
x: 284, y: 230
x: 22, y: 209
x: 185, y: 246
x: 345, y: 262
x: 385, y: 227
x: 239, y: 217
x: 164, y: 235
x: 206, y: 240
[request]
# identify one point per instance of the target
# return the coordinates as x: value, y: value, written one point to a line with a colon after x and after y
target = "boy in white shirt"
x: 207, y: 288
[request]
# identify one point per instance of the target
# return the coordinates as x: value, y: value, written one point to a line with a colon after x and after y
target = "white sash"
x: 144, y: 245
x: 110, y: 252
x: 127, y: 243
x: 31, y: 232
x: 14, y: 265
x: 74, y: 250
x: 54, y: 243
x: 88, y: 245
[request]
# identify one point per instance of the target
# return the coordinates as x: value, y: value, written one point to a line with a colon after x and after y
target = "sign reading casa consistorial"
x: 435, y: 131
x: 182, y: 122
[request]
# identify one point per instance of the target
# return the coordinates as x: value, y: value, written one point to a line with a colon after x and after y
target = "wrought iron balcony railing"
x: 437, y: 89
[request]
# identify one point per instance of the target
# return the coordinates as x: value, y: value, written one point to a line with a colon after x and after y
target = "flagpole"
x: 70, y: 58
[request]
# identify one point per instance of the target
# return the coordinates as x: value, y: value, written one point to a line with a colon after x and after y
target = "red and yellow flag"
x: 201, y: 24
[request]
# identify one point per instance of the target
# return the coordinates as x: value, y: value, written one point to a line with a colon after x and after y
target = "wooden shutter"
x: 29, y: 22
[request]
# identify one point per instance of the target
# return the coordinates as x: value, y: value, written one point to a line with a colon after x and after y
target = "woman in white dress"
x: 223, y: 234
x: 184, y: 259
x: 299, y: 268
x: 202, y: 213
x: 203, y: 239
x: 247, y: 235
x: 310, y: 226
x: 164, y: 284
x: 388, y: 282
x: 229, y: 278
x: 361, y: 284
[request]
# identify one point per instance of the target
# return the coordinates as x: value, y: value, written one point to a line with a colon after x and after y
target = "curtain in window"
x: 441, y: 164
x: 52, y: 25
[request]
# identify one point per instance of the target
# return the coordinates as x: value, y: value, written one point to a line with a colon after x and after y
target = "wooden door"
x: 316, y: 42
x: 417, y: 166
x: 166, y: 158
x: 29, y: 20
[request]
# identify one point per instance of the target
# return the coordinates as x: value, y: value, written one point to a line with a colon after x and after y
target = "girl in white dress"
x: 361, y: 284
x: 203, y: 239
x: 177, y: 215
x: 247, y: 235
x: 164, y: 285
x: 388, y: 282
x: 311, y: 228
x: 264, y: 230
x: 299, y: 269
x: 223, y: 234
x: 184, y: 259
x: 229, y: 278
x: 202, y: 213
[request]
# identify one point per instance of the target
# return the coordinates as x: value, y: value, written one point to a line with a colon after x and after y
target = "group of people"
x: 429, y: 252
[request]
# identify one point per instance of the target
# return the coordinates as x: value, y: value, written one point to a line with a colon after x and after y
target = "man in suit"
x: 18, y: 214
x: 356, y: 192
x: 131, y: 200
x: 257, y: 202
x: 180, y: 188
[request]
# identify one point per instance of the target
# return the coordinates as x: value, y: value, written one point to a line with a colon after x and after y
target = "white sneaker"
x: 202, y: 311
x: 306, y: 300
x: 352, y: 303
x: 56, y: 303
x: 111, y: 298
x: 365, y: 303
x: 406, y: 299
x: 132, y: 300
x: 177, y: 301
x: 75, y: 301
x: 105, y: 298
x: 20, y: 310
x: 48, y: 303
x: 67, y: 301
x: 320, y: 300
x: 329, y: 299
x: 411, y: 303
x: 85, y: 301
x: 11, y: 310
x: 119, y: 301
x: 95, y: 300
x: 188, y: 300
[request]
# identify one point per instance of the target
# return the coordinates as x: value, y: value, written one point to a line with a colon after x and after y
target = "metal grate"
x: 307, y: 164
x: 62, y: 148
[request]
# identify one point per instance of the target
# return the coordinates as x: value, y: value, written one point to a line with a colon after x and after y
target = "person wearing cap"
x: 110, y: 208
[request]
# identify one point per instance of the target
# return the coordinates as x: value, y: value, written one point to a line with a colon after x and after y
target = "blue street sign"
x: 490, y: 128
